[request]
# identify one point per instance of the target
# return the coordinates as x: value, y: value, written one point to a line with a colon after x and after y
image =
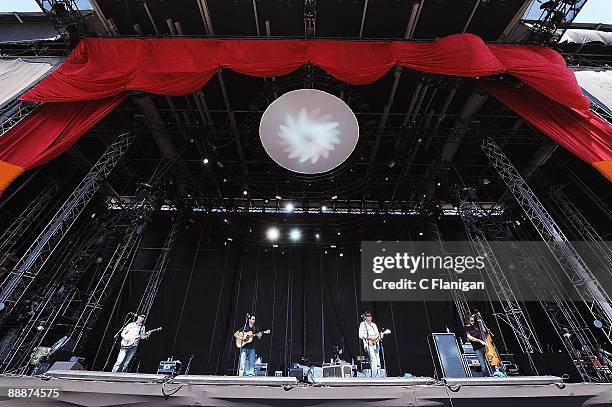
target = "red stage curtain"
x: 47, y: 132
x: 583, y: 133
x: 101, y: 68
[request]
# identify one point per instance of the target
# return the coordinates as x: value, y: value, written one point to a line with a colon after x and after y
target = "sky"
x: 595, y: 11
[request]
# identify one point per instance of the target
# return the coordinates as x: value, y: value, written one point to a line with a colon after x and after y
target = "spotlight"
x: 245, y: 192
x: 323, y: 208
x: 485, y: 181
x: 420, y: 233
x: 289, y: 207
x: 278, y: 197
x: 205, y: 161
x: 438, y: 184
x: 341, y: 254
x: 338, y: 233
x: 40, y: 328
x: 272, y: 234
x: 317, y: 236
x: 225, y: 220
x: 334, y: 197
x: 295, y: 234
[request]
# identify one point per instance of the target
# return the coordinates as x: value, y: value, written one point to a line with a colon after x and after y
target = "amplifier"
x: 338, y: 371
x: 169, y: 367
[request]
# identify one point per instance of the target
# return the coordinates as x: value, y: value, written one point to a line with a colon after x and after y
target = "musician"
x: 368, y: 332
x: 132, y: 332
x: 474, y: 335
x: 247, y: 351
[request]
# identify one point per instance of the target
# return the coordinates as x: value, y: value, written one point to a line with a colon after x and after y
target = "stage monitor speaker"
x: 448, y: 356
x: 297, y: 373
x: 337, y: 371
x: 66, y: 366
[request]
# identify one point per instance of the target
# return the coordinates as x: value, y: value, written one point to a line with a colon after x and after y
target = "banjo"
x: 130, y: 340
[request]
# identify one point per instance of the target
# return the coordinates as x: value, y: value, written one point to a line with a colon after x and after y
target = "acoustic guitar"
x: 246, y: 337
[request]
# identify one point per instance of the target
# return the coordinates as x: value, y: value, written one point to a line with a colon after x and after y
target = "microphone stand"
x: 188, y: 365
x: 382, y: 352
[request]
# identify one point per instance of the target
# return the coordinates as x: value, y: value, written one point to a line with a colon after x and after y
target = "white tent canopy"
x: 580, y: 36
x: 598, y: 83
x: 17, y: 75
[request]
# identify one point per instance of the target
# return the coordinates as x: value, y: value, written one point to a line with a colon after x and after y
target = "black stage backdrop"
x: 305, y: 293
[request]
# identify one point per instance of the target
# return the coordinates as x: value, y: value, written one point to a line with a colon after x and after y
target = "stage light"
x: 289, y: 207
x: 224, y: 180
x: 245, y: 192
x: 338, y: 233
x: 420, y: 233
x: 486, y: 181
x: 272, y: 234
x: 205, y: 161
x: 323, y: 208
x: 278, y: 197
x: 341, y: 254
x: 295, y: 234
x: 40, y: 328
x: 333, y: 246
x: 225, y: 220
x: 438, y: 184
x: 308, y: 131
x: 386, y: 178
x: 317, y: 236
x: 334, y: 197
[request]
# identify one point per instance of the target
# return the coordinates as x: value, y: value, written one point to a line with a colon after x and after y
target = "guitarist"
x: 132, y: 332
x: 475, y: 335
x: 247, y: 350
x: 368, y: 332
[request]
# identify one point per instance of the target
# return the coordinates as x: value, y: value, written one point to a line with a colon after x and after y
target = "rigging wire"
x: 214, y: 330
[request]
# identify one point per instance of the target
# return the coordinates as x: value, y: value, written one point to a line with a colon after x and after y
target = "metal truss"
x: 596, y: 299
x: 478, y: 224
x: 58, y: 297
x: 26, y: 270
x: 565, y: 316
x: 555, y: 15
x: 583, y: 227
x: 118, y: 265
x: 65, y: 16
x: 14, y: 113
x: 78, y: 285
x: 26, y: 218
x: 461, y: 303
x: 159, y: 271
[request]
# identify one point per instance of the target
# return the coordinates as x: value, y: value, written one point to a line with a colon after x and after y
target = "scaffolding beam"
x: 596, y: 299
x: 36, y: 256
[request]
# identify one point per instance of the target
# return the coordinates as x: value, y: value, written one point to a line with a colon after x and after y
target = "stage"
x: 88, y: 388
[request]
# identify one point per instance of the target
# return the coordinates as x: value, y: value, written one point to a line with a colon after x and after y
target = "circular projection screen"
x: 309, y: 131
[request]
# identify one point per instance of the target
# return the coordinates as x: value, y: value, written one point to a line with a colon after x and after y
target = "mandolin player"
x: 245, y: 340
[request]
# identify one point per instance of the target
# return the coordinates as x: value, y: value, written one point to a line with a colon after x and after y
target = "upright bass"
x: 486, y: 335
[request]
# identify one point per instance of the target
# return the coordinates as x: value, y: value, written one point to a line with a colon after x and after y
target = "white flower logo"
x: 310, y: 136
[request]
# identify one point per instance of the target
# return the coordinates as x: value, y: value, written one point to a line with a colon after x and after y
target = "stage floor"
x: 85, y: 388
